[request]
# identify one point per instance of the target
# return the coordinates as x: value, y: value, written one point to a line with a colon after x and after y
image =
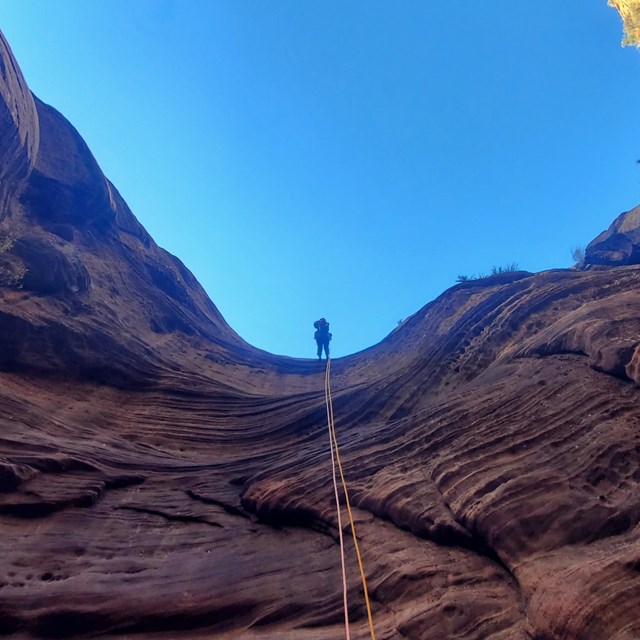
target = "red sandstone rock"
x: 160, y: 478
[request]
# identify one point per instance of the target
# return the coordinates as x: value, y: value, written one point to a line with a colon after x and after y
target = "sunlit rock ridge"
x: 161, y: 478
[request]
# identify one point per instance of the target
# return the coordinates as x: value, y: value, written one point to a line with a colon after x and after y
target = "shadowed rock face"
x: 160, y: 478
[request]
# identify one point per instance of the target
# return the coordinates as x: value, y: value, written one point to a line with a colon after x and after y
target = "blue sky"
x: 349, y: 159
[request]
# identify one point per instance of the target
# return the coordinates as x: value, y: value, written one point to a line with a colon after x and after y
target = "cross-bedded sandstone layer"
x: 160, y: 478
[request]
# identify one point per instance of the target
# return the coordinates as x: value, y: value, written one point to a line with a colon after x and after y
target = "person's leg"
x: 326, y: 348
x: 319, y: 350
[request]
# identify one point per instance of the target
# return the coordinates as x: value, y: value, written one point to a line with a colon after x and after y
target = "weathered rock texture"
x: 160, y: 478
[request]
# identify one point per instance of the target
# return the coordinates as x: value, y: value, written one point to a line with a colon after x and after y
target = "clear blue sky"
x: 346, y: 159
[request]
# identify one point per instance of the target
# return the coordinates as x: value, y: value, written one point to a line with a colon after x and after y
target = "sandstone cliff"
x: 161, y: 478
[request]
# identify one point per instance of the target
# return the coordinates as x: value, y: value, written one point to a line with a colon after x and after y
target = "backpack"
x: 322, y: 331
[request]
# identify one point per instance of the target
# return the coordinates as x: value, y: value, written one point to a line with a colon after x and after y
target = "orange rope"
x: 335, y: 490
x: 334, y: 443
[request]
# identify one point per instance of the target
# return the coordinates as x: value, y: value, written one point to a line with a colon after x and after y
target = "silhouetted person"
x: 322, y: 337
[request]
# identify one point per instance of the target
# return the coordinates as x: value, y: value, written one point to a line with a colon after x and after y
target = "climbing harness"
x: 335, y: 457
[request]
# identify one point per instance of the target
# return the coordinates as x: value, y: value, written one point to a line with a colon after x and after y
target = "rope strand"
x: 335, y: 490
x: 334, y: 443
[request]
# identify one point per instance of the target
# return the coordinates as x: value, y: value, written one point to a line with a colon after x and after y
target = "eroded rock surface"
x: 160, y: 478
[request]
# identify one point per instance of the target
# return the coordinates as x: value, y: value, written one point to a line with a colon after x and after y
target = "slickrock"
x: 161, y: 478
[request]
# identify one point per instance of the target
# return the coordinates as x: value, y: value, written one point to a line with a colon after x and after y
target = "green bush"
x: 508, y: 268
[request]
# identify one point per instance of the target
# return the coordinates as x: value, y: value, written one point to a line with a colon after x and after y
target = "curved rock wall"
x: 66, y: 185
x: 492, y: 465
x: 19, y: 129
x: 68, y: 238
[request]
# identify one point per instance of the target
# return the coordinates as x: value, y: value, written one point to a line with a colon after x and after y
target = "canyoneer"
x: 322, y: 337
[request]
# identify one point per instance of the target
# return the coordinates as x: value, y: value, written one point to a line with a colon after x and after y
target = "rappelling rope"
x: 327, y: 397
x: 334, y: 443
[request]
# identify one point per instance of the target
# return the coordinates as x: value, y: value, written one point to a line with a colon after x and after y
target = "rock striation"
x: 161, y: 478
